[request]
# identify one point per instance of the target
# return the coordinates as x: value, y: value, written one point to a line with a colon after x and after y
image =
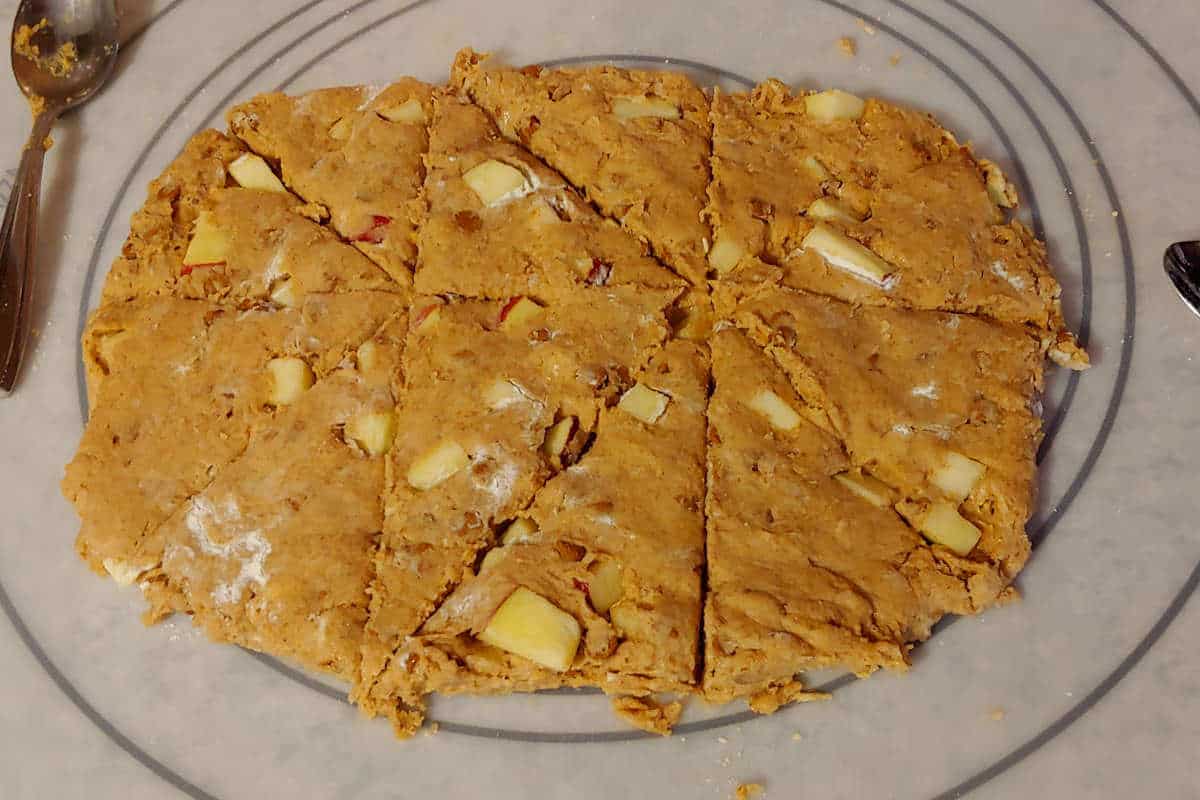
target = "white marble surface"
x: 93, y: 705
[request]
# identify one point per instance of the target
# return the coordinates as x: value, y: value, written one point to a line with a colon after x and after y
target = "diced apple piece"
x: 825, y: 209
x: 373, y: 431
x: 604, y: 587
x: 635, y: 107
x: 426, y: 318
x: 437, y: 464
x: 957, y: 476
x: 941, y: 523
x: 209, y: 244
x: 251, y: 172
x: 519, y: 530
x: 869, y: 488
x: 375, y: 231
x: 490, y: 559
x: 999, y: 189
x: 628, y: 622
x: 290, y: 378
x: 501, y: 394
x: 341, y: 129
x: 833, y: 104
x: 284, y: 293
x: 124, y: 573
x: 495, y: 182
x: 557, y: 438
x: 775, y: 409
x: 814, y: 166
x: 517, y: 312
x: 532, y: 627
x: 725, y: 256
x: 409, y: 111
x: 840, y: 251
x: 367, y: 356
x: 644, y: 403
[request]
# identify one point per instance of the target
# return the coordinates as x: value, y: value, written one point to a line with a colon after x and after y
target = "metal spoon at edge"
x: 1182, y: 264
x: 54, y: 82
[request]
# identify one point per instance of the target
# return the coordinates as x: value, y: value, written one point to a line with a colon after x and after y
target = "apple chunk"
x: 644, y: 403
x: 725, y: 256
x: 604, y: 587
x: 251, y: 172
x: 869, y: 488
x: 290, y: 378
x: 941, y: 523
x: 373, y: 431
x: 408, y: 111
x: 637, y: 107
x: 957, y: 476
x: 209, y: 244
x: 519, y: 530
x: 840, y: 251
x: 124, y: 573
x: 284, y: 293
x: 556, y: 439
x: 775, y: 409
x: 825, y: 209
x: 833, y: 104
x: 518, y: 311
x: 532, y: 627
x: 495, y: 182
x: 437, y: 464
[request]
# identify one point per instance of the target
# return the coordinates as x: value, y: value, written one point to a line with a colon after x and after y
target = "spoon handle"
x: 18, y: 236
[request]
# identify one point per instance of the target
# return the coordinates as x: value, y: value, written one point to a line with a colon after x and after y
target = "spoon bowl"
x: 76, y: 49
x: 1182, y: 265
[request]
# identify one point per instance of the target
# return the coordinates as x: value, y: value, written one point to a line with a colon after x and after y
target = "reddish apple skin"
x: 374, y: 234
x: 507, y: 307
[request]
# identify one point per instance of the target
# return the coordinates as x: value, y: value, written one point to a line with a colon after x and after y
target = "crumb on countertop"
x: 749, y: 791
x: 894, y: 59
x: 867, y: 27
x: 996, y: 714
x: 847, y: 45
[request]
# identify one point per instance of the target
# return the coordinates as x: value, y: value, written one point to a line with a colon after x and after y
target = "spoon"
x: 62, y: 52
x: 1182, y: 264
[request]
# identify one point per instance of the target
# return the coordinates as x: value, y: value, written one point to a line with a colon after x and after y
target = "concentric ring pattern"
x: 987, y: 81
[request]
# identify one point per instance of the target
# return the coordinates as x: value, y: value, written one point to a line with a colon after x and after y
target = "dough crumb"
x: 771, y: 700
x: 867, y: 27
x: 996, y: 714
x: 749, y: 791
x: 847, y: 45
x: 894, y: 59
x: 647, y: 714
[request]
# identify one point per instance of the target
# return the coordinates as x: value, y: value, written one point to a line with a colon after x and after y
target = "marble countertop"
x: 1089, y: 687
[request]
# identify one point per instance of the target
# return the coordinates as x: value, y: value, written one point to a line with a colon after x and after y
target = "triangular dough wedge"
x: 608, y: 558
x: 354, y: 150
x: 499, y: 396
x: 874, y: 204
x: 177, y: 387
x: 277, y: 553
x: 636, y: 141
x: 201, y: 235
x: 938, y: 406
x: 502, y: 223
x: 804, y: 572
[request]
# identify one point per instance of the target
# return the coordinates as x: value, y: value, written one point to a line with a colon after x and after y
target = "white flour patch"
x: 929, y: 391
x: 249, y: 549
x: 902, y: 430
x: 500, y: 479
x: 1016, y: 281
